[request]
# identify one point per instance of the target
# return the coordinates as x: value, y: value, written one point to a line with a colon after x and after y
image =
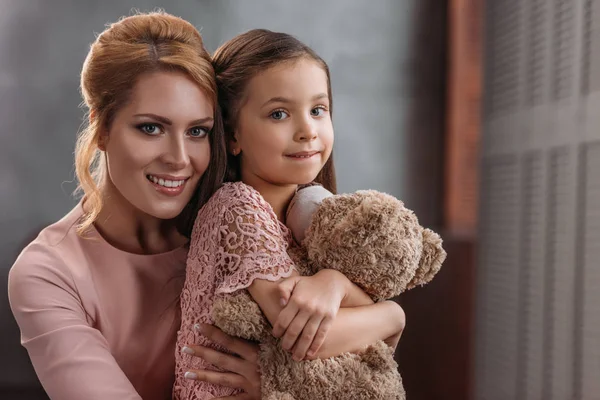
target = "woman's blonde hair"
x: 133, y: 46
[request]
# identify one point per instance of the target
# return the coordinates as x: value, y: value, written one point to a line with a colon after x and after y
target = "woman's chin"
x: 165, y: 211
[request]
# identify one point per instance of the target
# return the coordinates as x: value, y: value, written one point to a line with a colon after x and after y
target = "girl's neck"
x: 129, y: 229
x: 278, y: 196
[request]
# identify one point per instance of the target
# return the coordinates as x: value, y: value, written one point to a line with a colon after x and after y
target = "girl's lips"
x: 303, y: 154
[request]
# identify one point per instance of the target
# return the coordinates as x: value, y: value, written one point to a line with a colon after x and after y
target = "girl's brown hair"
x: 131, y: 47
x: 240, y: 59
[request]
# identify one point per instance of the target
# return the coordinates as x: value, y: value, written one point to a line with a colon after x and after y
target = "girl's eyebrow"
x: 286, y: 100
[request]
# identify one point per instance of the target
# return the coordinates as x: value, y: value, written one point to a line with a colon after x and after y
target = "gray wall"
x: 388, y: 70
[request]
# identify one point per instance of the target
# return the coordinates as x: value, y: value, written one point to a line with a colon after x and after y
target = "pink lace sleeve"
x: 253, y: 245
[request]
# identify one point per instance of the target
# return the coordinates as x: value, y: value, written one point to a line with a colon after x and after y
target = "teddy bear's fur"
x: 379, y: 245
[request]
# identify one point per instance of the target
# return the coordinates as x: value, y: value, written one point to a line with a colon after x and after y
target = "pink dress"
x: 236, y: 238
x: 98, y: 323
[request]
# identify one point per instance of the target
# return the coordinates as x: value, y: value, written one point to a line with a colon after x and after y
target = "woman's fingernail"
x: 187, y: 350
x: 190, y: 375
x: 311, y: 353
x: 283, y: 302
x: 198, y: 328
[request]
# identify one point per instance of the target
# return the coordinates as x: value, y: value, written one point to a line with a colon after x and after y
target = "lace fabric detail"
x: 236, y: 239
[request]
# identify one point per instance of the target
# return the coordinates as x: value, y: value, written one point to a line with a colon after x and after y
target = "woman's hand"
x: 310, y: 306
x: 243, y: 366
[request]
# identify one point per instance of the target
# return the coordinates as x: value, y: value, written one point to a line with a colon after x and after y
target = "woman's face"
x: 157, y: 146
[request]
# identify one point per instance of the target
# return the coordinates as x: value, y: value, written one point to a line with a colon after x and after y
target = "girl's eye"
x: 318, y: 111
x: 279, y: 115
x: 198, y: 132
x: 150, y: 129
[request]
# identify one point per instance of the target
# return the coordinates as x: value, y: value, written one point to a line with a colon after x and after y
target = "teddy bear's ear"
x: 432, y: 257
x: 302, y: 207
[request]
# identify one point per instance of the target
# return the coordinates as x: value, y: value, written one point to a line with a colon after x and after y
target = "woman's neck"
x: 129, y: 229
x: 278, y: 196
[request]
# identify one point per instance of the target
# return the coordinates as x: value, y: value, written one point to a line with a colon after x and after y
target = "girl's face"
x: 157, y: 147
x: 284, y: 132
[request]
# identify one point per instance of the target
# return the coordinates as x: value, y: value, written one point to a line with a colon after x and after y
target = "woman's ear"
x: 102, y: 141
x: 103, y: 138
x: 234, y: 146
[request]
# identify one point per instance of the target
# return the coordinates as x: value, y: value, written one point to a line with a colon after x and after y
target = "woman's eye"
x: 198, y: 132
x: 149, y: 129
x: 279, y: 115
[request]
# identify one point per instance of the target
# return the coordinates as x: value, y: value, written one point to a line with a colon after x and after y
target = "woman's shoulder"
x: 46, y: 258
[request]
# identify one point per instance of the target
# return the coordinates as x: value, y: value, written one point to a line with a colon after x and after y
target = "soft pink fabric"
x: 98, y: 323
x: 237, y: 238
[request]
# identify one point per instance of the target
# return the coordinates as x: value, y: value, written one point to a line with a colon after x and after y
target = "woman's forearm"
x: 355, y: 328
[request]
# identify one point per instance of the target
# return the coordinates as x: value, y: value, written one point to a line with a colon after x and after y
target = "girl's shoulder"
x: 237, y: 199
x: 238, y: 194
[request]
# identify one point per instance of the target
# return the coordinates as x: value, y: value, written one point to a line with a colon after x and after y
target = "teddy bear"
x: 378, y: 244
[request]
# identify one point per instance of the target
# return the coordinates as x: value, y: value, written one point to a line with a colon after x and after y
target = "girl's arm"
x: 314, y: 309
x: 355, y: 328
x: 254, y: 254
x: 356, y: 297
x: 290, y: 322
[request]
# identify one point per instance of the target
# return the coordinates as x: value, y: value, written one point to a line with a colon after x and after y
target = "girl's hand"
x: 243, y: 367
x: 310, y: 306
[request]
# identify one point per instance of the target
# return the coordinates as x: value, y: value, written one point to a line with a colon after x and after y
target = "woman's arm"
x: 241, y: 368
x: 71, y: 359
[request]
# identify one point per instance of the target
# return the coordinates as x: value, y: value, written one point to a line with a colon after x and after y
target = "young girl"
x: 275, y: 95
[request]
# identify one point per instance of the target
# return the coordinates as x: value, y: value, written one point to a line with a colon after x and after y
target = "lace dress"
x: 236, y: 238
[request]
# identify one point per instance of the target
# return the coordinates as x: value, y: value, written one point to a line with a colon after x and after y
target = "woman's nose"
x: 176, y: 154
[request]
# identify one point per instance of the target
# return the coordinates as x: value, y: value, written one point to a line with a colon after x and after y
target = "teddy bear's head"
x: 375, y: 241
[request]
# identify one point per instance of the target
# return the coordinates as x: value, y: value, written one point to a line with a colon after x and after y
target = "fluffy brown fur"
x: 379, y: 245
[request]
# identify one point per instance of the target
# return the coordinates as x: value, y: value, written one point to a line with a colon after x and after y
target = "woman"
x: 95, y: 294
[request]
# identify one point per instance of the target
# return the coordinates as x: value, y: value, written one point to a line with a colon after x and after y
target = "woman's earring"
x: 236, y: 151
